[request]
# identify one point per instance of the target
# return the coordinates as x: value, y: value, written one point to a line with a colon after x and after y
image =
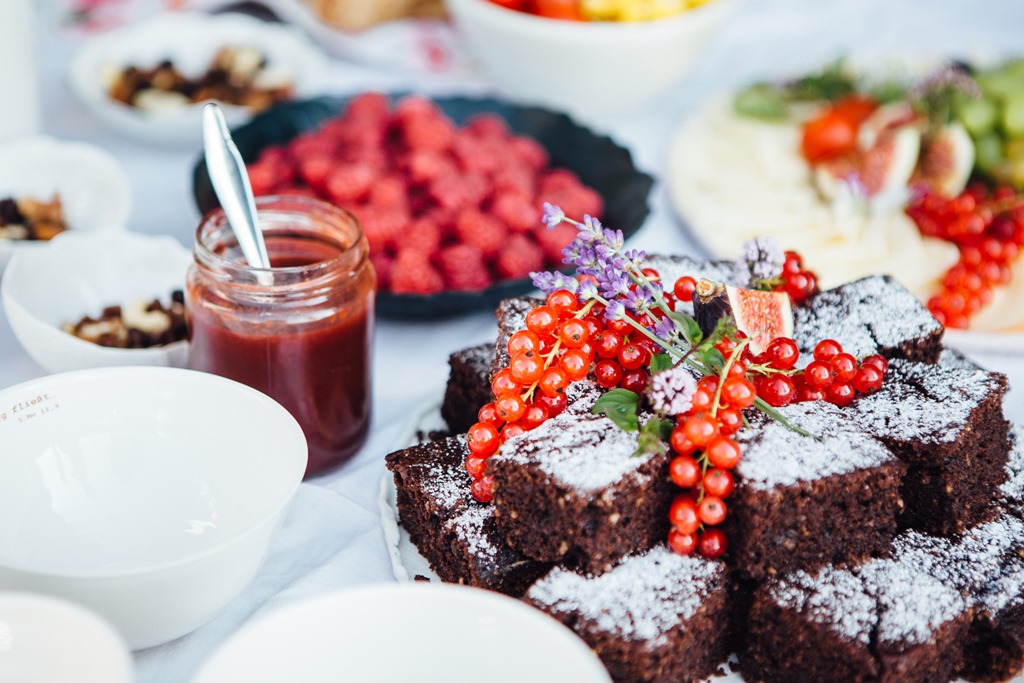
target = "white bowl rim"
x: 444, y: 593
x: 597, y: 30
x: 115, y: 373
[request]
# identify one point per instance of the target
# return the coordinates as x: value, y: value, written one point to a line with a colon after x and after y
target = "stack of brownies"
x: 887, y: 546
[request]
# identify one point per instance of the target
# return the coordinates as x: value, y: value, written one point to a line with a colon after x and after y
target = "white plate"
x: 93, y: 188
x: 428, y: 633
x: 190, y: 40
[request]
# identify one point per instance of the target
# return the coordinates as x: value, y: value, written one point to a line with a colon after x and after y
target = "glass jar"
x: 301, y: 331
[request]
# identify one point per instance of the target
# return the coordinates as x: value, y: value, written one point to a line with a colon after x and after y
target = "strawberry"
x: 462, y: 267
x: 518, y: 258
x: 412, y: 273
x: 481, y: 230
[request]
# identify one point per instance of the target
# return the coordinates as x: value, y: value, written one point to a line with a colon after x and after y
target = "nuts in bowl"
x: 593, y: 69
x: 86, y: 301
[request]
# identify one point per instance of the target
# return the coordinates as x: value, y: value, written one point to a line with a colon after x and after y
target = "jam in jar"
x: 302, y: 330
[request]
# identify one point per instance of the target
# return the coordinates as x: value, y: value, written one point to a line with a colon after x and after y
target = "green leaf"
x: 661, y: 361
x: 620, y: 405
x: 761, y: 101
x: 654, y: 436
x: 690, y: 328
x: 712, y: 358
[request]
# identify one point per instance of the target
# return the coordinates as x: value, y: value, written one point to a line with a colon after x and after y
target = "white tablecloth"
x: 332, y: 537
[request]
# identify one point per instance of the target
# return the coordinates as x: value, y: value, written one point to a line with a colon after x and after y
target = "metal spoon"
x: 231, y: 183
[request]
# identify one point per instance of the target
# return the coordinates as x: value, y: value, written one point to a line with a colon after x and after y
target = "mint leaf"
x: 661, y: 361
x: 620, y: 406
x: 712, y: 359
x: 691, y: 329
x: 654, y: 436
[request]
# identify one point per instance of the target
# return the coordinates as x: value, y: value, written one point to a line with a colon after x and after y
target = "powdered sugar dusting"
x: 469, y: 526
x: 924, y: 402
x: 580, y: 396
x: 912, y: 603
x: 834, y: 598
x: 642, y: 599
x: 671, y: 268
x: 585, y: 452
x: 774, y: 454
x: 448, y: 482
x: 864, y: 316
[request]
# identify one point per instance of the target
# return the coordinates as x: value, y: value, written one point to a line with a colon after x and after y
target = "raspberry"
x: 411, y: 273
x: 481, y: 230
x: 434, y: 133
x: 515, y: 179
x: 310, y: 144
x: 314, y: 170
x: 487, y: 126
x: 423, y: 236
x: 349, y: 183
x: 263, y: 177
x: 558, y: 179
x: 580, y: 201
x: 480, y: 154
x: 383, y: 228
x: 462, y: 267
x: 451, y: 192
x: 382, y: 265
x: 389, y: 192
x: 517, y: 213
x: 426, y: 166
x: 372, y: 107
x: 553, y: 241
x: 297, y: 191
x: 415, y: 106
x: 519, y: 258
x: 529, y: 152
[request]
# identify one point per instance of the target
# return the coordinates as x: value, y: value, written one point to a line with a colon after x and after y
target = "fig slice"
x: 762, y: 316
x: 946, y: 161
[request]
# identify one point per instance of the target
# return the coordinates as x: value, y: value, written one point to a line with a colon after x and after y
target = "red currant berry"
x: 712, y: 543
x: 542, y: 320
x: 738, y: 392
x: 684, y: 287
x: 635, y: 380
x: 878, y: 361
x: 782, y: 353
x: 483, y: 489
x: 536, y: 414
x: 806, y: 393
x: 608, y: 343
x: 526, y: 369
x: 793, y: 263
x: 730, y: 419
x: 503, y: 384
x: 701, y: 400
x: 573, y: 333
x: 718, y: 482
x: 487, y: 413
x: 563, y: 302
x: 712, y: 510
x: 684, y: 514
x: 818, y: 374
x: 723, y: 452
x: 840, y: 394
x: 700, y: 429
x: 844, y: 367
x: 633, y: 356
x: 553, y: 381
x: 510, y: 407
x: 651, y: 274
x: 826, y: 349
x: 868, y: 379
x: 574, y: 363
x: 738, y: 368
x: 482, y: 439
x: 594, y: 326
x: 685, y: 471
x: 476, y: 465
x: 608, y: 373
x: 682, y: 544
x: 523, y: 342
x: 553, y: 404
x: 510, y: 431
x: 680, y: 443
x: 777, y: 390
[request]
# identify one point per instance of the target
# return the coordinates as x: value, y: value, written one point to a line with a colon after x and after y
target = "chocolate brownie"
x: 574, y: 491
x: 1012, y: 491
x: 657, y: 617
x: 885, y: 620
x: 873, y: 315
x: 805, y: 501
x: 469, y: 386
x: 946, y: 422
x: 453, y: 532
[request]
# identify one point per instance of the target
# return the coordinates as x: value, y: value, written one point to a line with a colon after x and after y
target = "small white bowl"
x: 46, y: 640
x: 94, y: 190
x: 75, y: 275
x: 393, y: 633
x: 593, y: 70
x: 190, y: 40
x: 150, y: 495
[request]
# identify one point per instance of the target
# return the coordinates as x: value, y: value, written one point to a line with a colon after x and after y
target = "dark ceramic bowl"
x: 598, y: 161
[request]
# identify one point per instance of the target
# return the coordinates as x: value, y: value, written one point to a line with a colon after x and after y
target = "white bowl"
x: 393, y: 633
x: 46, y: 640
x: 94, y: 190
x: 190, y: 40
x: 593, y: 70
x: 147, y: 494
x: 80, y: 274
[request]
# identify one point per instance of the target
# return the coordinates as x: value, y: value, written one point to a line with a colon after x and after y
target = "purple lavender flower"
x: 665, y: 329
x: 671, y: 391
x: 588, y: 290
x: 553, y: 215
x: 549, y: 282
x: 614, y: 310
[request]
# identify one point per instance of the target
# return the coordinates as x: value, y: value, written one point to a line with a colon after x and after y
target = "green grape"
x: 1013, y: 115
x: 978, y: 116
x: 989, y: 152
x: 1000, y: 83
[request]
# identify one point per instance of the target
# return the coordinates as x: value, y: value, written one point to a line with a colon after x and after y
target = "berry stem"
x: 736, y: 352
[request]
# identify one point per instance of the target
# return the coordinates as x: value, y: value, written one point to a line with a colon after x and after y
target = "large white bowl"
x: 94, y: 190
x: 190, y: 40
x: 46, y: 640
x: 594, y: 70
x: 394, y: 633
x: 81, y: 274
x: 149, y: 495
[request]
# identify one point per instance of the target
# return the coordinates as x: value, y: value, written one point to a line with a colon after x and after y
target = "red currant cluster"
x: 988, y: 228
x: 798, y: 282
x: 563, y: 342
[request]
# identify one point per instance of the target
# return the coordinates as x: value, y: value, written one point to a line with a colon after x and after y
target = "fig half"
x: 762, y: 316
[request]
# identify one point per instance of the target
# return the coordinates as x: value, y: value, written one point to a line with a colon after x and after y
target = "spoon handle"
x: 231, y: 183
